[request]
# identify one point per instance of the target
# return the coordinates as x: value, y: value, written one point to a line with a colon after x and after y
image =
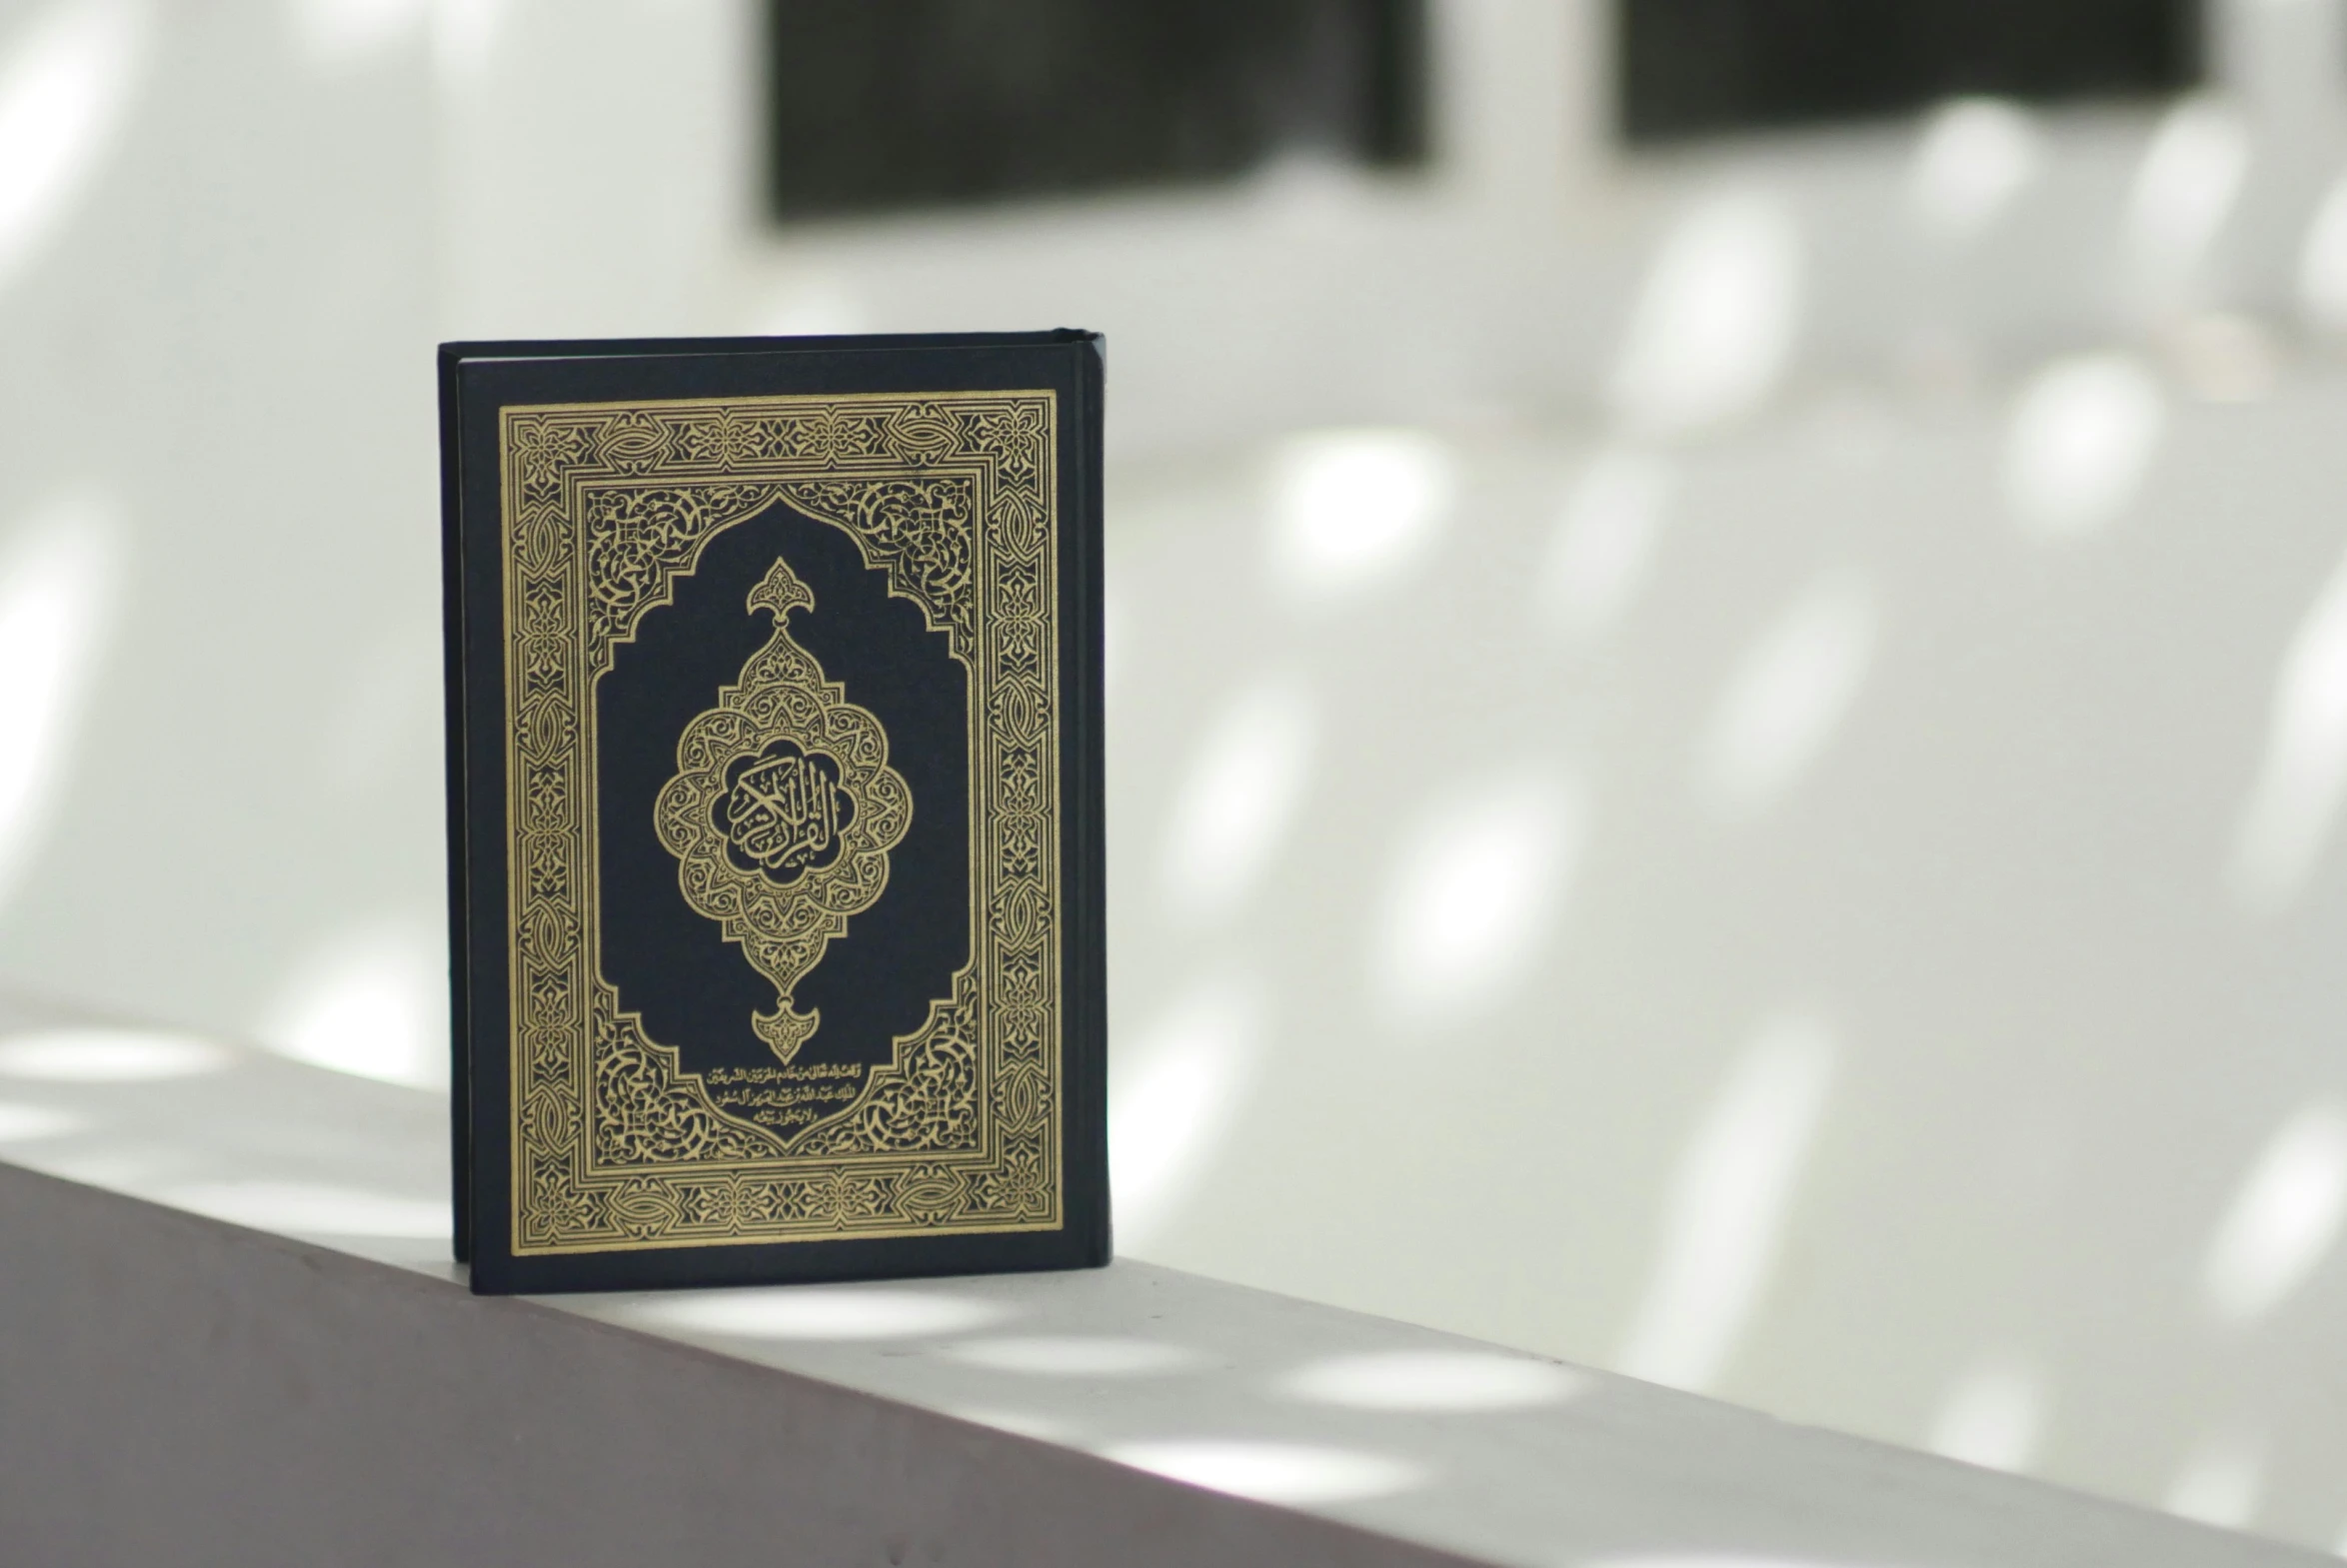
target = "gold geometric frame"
x: 614, y: 1147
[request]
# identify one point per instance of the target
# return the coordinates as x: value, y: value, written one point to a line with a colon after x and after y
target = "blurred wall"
x: 1722, y: 764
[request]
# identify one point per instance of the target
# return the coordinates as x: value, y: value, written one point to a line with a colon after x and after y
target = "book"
x: 774, y: 805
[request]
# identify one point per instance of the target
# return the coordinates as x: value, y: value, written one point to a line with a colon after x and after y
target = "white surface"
x: 1497, y: 1457
x: 1998, y: 739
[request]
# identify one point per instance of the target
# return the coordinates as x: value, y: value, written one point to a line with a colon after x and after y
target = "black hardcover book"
x: 773, y: 773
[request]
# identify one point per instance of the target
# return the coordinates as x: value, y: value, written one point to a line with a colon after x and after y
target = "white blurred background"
x: 1724, y: 763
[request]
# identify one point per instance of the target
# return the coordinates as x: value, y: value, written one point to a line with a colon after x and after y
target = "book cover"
x: 774, y: 760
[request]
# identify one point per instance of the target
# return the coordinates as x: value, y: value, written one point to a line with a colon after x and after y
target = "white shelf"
x: 307, y: 1381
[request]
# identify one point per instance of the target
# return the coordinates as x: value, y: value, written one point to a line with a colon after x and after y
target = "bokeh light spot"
x: 2293, y: 806
x: 1239, y: 796
x: 818, y: 1312
x: 1353, y: 510
x: 91, y: 1055
x: 1715, y: 325
x: 1973, y: 157
x: 2221, y: 1482
x: 57, y: 584
x: 1433, y: 1380
x: 22, y: 1124
x: 1788, y: 695
x: 2285, y: 1218
x: 2082, y: 437
x: 1605, y: 541
x: 371, y: 1002
x: 1471, y: 893
x: 1293, y: 1473
x: 1725, y: 1216
x: 2185, y: 188
x: 1173, y: 1098
x: 1994, y: 1417
x: 64, y: 85
x: 1075, y: 1355
x: 315, y: 1209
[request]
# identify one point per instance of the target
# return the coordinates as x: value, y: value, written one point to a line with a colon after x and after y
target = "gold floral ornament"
x: 782, y: 811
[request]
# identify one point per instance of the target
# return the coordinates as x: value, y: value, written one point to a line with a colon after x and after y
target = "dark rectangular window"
x: 1687, y: 68
x: 879, y: 104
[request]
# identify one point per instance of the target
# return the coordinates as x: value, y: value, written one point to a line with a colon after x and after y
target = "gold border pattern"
x: 614, y: 1147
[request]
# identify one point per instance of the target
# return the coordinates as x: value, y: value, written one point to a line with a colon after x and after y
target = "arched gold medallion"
x: 782, y: 811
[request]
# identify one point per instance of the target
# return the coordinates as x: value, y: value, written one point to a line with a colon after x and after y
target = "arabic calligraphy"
x: 782, y: 811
